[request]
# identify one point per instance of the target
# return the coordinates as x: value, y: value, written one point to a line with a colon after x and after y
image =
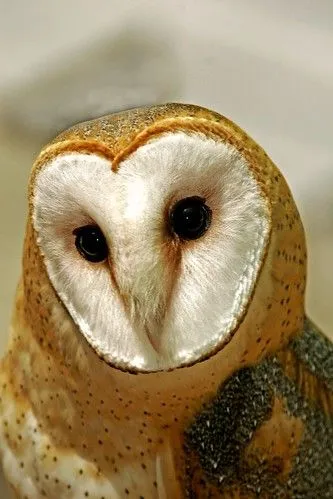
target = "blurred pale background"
x: 267, y: 65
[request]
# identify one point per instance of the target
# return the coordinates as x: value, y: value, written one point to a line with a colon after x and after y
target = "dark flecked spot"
x: 221, y: 432
x: 316, y: 352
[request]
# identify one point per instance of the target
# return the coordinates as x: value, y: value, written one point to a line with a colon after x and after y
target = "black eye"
x: 91, y: 244
x: 190, y: 218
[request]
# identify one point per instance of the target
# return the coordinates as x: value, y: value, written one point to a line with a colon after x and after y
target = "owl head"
x: 163, y: 232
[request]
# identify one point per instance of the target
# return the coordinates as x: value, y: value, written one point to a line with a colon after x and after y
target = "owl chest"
x: 35, y: 467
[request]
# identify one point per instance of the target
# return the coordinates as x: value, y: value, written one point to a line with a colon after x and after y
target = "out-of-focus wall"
x: 267, y: 65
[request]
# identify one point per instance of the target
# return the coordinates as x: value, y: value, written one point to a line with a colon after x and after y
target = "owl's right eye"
x: 91, y: 243
x: 190, y: 218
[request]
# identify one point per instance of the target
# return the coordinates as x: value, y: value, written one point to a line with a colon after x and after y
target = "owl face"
x: 156, y: 257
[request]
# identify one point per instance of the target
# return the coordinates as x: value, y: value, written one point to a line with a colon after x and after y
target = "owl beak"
x: 144, y: 282
x: 153, y: 340
x: 151, y: 328
x: 146, y: 327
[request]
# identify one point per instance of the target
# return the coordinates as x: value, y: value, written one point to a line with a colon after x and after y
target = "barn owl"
x: 159, y: 346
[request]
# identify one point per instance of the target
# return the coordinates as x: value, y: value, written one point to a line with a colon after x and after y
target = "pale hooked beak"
x: 146, y: 325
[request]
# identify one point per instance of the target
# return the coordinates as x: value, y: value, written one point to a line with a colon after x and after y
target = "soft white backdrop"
x: 267, y: 65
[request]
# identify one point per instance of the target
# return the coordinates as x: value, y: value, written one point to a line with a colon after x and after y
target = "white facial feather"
x: 169, y: 313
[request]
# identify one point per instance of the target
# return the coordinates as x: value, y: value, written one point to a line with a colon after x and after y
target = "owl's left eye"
x: 190, y: 218
x: 91, y: 243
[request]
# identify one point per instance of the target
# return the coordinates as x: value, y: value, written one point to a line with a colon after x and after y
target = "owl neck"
x: 101, y: 413
x: 73, y: 391
x: 62, y: 363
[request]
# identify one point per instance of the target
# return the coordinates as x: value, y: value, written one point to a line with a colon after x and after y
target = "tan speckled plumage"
x: 73, y: 426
